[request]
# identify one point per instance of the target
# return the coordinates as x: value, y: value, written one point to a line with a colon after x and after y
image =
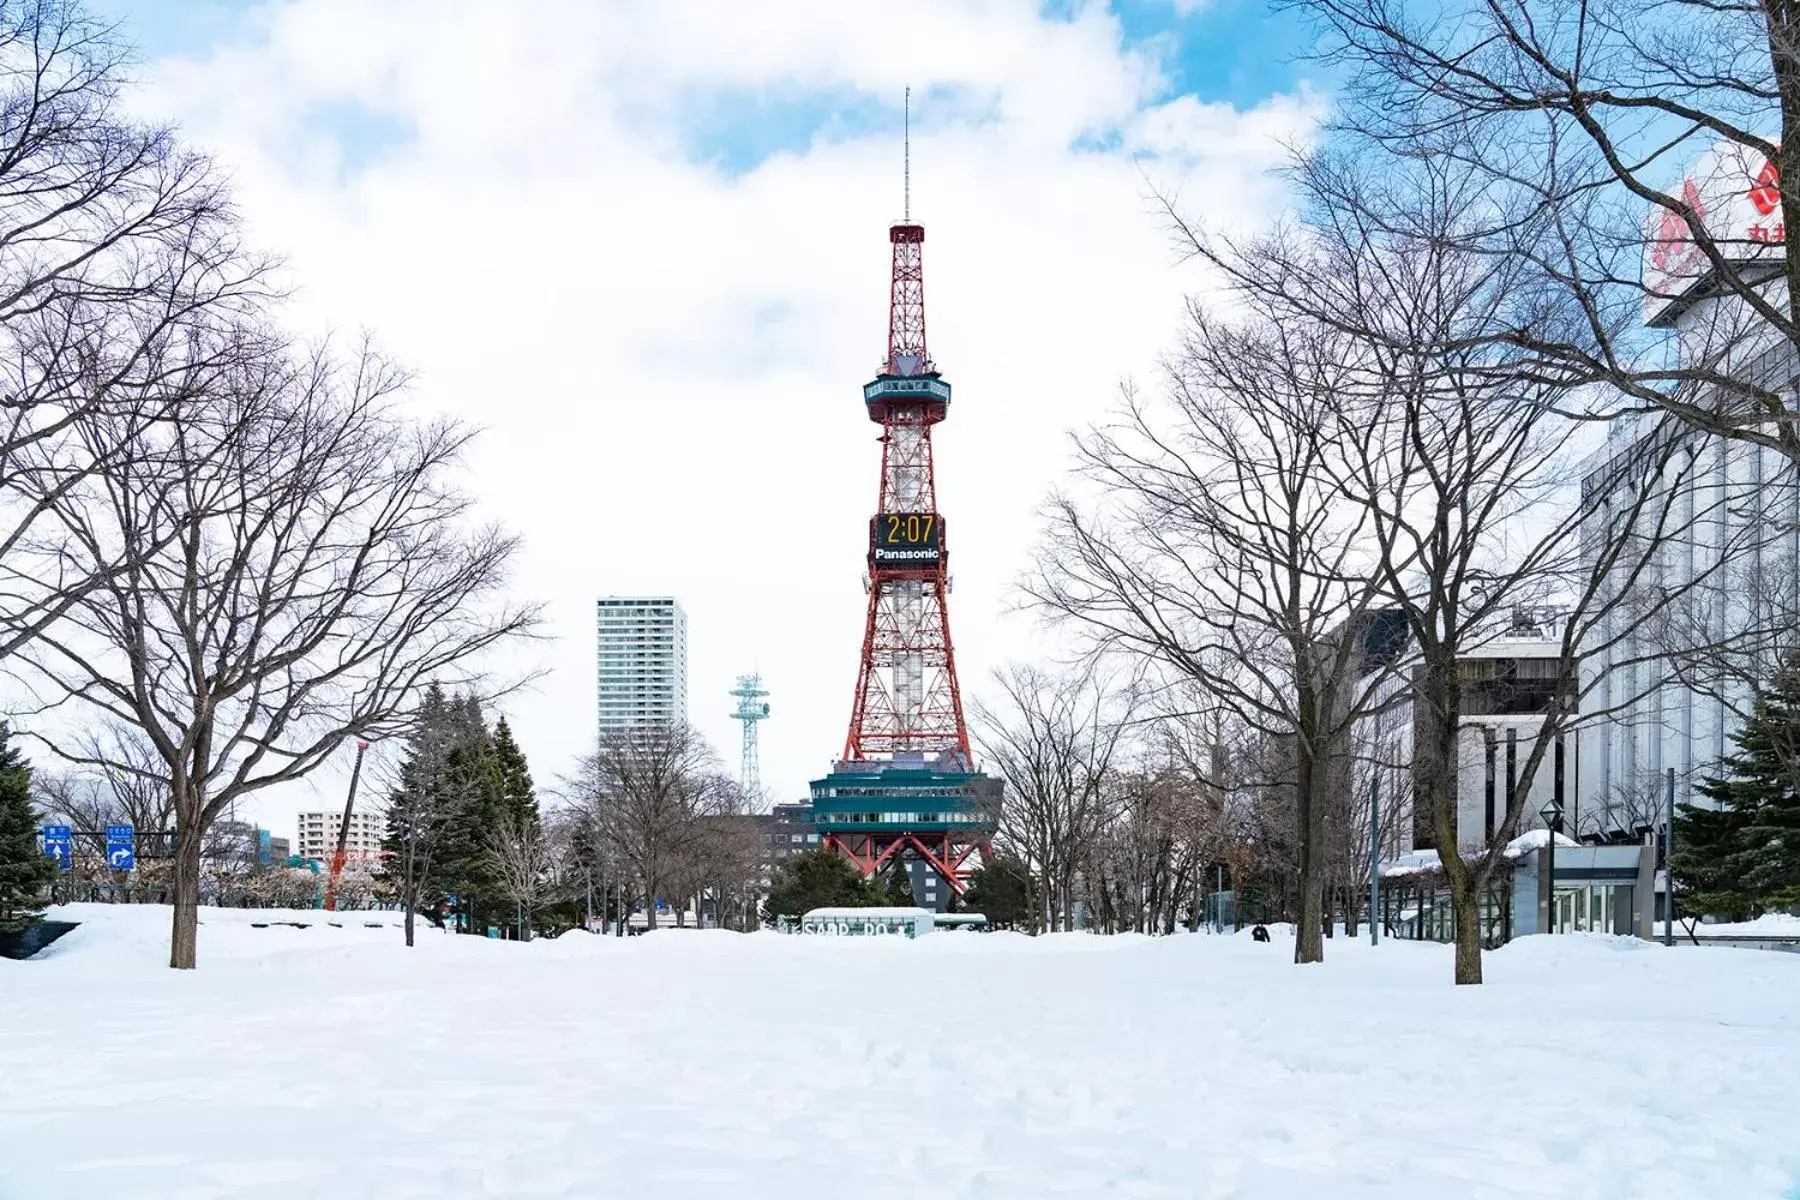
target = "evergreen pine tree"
x: 1001, y: 892
x: 899, y: 886
x: 24, y: 871
x: 819, y: 879
x: 1706, y: 865
x: 476, y: 809
x: 516, y: 788
x: 1744, y: 856
x: 417, y: 810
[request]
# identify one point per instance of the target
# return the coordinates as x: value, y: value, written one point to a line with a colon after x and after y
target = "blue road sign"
x: 121, y: 847
x: 59, y: 844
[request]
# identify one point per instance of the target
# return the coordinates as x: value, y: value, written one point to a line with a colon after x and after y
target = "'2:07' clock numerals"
x: 909, y: 529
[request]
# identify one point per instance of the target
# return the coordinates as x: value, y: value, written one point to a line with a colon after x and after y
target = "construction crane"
x: 338, y: 856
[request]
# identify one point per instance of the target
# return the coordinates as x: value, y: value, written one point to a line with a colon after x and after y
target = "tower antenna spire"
x: 906, y: 152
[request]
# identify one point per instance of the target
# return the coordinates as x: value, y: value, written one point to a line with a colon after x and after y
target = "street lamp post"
x: 1552, y: 814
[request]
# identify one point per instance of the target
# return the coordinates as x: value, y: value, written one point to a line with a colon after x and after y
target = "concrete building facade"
x: 1674, y: 689
x: 786, y: 830
x: 316, y: 834
x: 1507, y: 683
x: 641, y: 662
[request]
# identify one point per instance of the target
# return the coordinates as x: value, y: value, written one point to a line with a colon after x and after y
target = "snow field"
x: 334, y: 1063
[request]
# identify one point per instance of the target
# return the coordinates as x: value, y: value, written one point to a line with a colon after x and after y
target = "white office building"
x: 642, y: 662
x: 1673, y: 690
x: 316, y: 834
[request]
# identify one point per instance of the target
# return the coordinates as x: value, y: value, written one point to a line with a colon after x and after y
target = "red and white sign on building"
x: 1736, y: 194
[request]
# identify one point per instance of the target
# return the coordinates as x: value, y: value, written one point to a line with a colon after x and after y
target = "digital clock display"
x: 907, y: 539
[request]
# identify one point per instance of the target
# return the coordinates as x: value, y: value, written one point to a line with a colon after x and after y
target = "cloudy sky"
x: 643, y: 245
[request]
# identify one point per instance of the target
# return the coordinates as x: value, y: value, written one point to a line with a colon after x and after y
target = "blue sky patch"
x: 1239, y: 52
x: 1232, y: 51
x: 736, y: 131
x: 160, y: 28
x: 361, y: 135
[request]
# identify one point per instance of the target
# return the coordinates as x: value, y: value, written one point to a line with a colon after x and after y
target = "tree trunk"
x: 1468, y: 928
x: 185, y: 933
x: 409, y: 897
x: 1351, y: 909
x: 1309, y: 944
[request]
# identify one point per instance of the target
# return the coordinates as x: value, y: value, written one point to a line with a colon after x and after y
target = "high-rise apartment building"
x: 641, y: 671
x: 317, y: 832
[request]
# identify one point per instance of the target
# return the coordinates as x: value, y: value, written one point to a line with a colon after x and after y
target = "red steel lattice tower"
x: 906, y: 795
x: 907, y: 698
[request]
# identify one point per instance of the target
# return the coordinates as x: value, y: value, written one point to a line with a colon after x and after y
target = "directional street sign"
x: 121, y: 847
x: 59, y: 844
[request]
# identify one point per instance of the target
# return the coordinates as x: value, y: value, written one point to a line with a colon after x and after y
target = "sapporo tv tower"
x: 906, y: 793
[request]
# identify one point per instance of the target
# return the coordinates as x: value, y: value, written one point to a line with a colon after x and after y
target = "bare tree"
x: 78, y: 800
x: 1054, y: 743
x: 302, y: 566
x: 1627, y: 806
x: 1166, y: 827
x: 1261, y: 851
x: 1221, y: 549
x: 522, y: 864
x: 1580, y: 118
x: 1380, y: 785
x: 728, y: 860
x: 94, y: 799
x: 119, y: 257
x: 646, y: 791
x: 360, y: 885
x: 1728, y: 639
x: 1457, y: 452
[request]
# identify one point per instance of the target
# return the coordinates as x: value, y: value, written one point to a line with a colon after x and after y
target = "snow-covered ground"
x: 1767, y: 925
x: 322, y: 1062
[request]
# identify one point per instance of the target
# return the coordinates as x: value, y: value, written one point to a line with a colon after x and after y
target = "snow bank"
x: 1768, y: 925
x: 332, y: 1062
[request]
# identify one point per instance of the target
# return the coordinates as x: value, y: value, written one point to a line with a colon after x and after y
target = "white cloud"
x: 669, y: 359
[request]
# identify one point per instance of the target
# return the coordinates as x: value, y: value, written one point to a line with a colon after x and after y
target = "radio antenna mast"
x: 751, y: 709
x: 906, y: 152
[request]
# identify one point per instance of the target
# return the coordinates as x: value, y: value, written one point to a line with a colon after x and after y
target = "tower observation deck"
x: 906, y: 791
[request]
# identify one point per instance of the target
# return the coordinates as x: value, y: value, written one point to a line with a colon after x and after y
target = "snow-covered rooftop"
x: 1418, y: 862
